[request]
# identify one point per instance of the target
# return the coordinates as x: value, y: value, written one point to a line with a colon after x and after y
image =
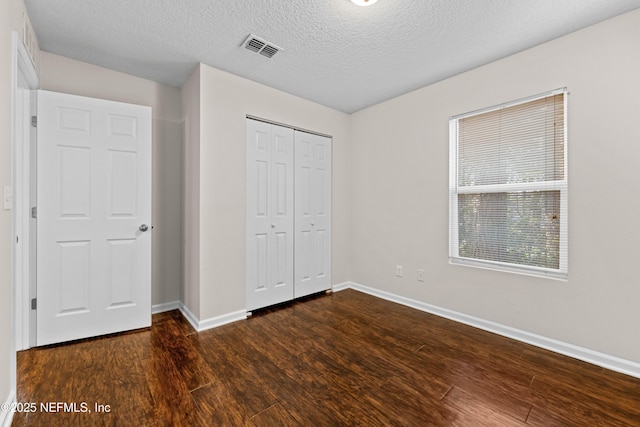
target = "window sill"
x: 511, y: 268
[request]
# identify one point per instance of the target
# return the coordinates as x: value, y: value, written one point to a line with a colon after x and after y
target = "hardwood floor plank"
x: 361, y: 326
x: 615, y: 384
x: 275, y: 415
x: 475, y: 411
x: 285, y: 383
x: 539, y: 418
x: 562, y: 376
x: 217, y: 405
x: 192, y: 366
x: 114, y: 380
x: 394, y: 360
x: 401, y: 404
x: 418, y: 325
x: 183, y: 324
x: 234, y: 374
x: 571, y: 404
x: 346, y: 359
x: 560, y: 363
x: 300, y: 387
x: 172, y: 404
x: 503, y: 387
x: 613, y: 389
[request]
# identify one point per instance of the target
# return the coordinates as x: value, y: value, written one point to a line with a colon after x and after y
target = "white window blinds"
x: 508, y: 186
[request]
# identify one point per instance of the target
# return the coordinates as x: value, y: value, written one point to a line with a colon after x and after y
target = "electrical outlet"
x: 399, y: 271
x: 420, y: 275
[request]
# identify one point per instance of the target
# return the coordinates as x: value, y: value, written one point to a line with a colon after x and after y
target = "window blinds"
x: 508, y: 185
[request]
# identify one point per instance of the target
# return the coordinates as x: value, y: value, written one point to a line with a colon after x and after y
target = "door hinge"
x: 34, y: 212
x: 34, y: 304
x: 34, y: 121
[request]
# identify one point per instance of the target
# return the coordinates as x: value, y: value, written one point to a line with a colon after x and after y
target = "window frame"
x: 559, y: 185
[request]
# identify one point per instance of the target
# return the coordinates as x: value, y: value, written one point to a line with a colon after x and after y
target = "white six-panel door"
x: 313, y: 214
x: 94, y: 204
x: 269, y: 270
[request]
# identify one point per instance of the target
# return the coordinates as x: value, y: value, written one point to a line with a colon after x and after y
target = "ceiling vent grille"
x: 263, y: 47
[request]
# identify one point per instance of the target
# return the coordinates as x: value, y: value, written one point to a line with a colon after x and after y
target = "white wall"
x: 225, y: 100
x: 61, y: 74
x: 399, y: 214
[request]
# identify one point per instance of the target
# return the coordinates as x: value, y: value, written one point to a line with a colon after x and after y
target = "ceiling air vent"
x: 254, y: 44
x: 263, y: 47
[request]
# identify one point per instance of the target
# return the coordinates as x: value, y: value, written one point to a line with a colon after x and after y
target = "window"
x: 508, y: 186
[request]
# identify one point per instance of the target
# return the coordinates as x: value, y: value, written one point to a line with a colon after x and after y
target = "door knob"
x: 144, y: 227
x: 313, y: 223
x: 273, y: 226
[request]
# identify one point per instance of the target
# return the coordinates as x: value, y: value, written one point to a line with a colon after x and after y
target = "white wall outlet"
x: 420, y: 275
x: 399, y: 271
x: 7, y: 198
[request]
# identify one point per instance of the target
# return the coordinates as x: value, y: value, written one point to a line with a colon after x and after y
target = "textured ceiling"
x: 335, y: 53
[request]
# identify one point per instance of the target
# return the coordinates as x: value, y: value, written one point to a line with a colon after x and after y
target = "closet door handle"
x: 313, y: 224
x: 273, y: 226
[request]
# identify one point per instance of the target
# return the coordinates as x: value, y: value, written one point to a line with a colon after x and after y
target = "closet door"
x: 313, y: 214
x: 270, y: 214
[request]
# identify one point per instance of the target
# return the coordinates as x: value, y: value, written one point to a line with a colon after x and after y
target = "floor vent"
x: 263, y: 47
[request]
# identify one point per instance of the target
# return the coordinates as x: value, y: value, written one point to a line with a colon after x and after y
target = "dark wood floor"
x: 341, y: 359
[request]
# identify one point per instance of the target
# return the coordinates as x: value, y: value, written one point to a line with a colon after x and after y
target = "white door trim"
x: 273, y: 122
x: 23, y: 76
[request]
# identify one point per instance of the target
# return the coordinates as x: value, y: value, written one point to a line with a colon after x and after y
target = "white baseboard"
x: 7, y: 416
x: 212, y: 322
x: 341, y: 286
x: 191, y: 318
x: 167, y: 306
x: 604, y: 360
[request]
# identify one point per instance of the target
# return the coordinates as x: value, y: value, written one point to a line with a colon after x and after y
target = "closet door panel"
x: 270, y: 214
x: 323, y: 212
x: 313, y: 214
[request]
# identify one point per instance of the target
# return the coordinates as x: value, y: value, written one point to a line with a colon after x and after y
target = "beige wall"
x: 225, y: 100
x: 191, y: 193
x: 61, y: 74
x: 400, y: 192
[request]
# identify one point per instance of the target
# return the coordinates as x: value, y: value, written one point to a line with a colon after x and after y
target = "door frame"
x: 23, y: 74
x: 295, y: 128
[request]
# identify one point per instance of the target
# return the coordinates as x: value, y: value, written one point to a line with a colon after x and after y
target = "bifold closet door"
x: 312, y: 214
x: 270, y: 214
